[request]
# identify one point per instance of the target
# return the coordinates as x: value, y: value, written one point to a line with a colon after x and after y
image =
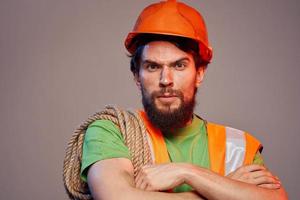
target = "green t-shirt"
x: 189, y: 145
x: 103, y: 140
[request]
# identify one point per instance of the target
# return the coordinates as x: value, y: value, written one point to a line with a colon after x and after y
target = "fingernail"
x: 278, y: 182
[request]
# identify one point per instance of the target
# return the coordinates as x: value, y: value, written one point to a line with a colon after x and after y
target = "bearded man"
x: 194, y: 159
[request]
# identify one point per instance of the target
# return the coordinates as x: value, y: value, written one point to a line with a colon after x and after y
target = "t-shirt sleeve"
x: 258, y: 159
x: 103, y: 140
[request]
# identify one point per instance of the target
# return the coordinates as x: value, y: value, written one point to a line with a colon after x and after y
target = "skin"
x: 113, y: 179
x: 164, y: 65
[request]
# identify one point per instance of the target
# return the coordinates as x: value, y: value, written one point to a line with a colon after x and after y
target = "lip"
x: 167, y: 94
x: 167, y: 98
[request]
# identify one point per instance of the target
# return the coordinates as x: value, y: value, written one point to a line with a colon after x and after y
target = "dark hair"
x: 185, y: 44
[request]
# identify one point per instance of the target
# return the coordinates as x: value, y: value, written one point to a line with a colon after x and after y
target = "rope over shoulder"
x: 135, y: 136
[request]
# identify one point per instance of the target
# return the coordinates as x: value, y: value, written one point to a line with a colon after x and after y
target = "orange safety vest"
x: 228, y: 148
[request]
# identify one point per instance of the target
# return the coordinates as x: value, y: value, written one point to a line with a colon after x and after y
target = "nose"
x: 166, y: 77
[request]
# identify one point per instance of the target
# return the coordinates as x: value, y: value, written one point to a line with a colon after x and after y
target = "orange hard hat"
x: 171, y: 18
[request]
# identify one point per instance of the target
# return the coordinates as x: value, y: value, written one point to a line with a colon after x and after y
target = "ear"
x: 137, y: 80
x: 200, y: 75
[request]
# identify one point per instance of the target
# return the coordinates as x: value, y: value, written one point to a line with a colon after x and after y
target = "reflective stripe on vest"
x: 235, y: 149
x: 228, y: 148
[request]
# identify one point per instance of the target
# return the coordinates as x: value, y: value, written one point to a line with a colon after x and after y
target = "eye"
x: 180, y: 66
x: 152, y: 67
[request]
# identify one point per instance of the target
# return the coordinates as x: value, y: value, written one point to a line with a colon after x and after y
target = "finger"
x: 138, y: 183
x: 244, y: 170
x: 143, y: 185
x: 257, y: 174
x: 149, y: 187
x: 142, y: 172
x: 265, y: 180
x: 270, y: 186
x: 252, y: 168
x: 139, y: 179
x: 148, y: 169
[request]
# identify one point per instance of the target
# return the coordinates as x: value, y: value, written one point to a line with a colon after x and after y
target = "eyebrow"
x: 149, y: 61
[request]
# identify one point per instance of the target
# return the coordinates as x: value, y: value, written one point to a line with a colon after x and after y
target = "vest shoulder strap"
x: 156, y: 140
x: 216, y: 147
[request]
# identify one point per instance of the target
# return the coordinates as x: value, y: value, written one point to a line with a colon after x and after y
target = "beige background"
x: 62, y: 60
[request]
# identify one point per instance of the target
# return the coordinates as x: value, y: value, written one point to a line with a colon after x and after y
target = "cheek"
x: 148, y: 82
x: 186, y: 81
x: 190, y: 92
x: 187, y: 87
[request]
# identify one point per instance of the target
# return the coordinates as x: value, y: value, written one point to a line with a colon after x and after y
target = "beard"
x: 168, y: 119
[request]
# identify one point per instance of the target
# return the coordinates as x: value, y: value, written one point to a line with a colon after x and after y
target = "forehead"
x: 163, y: 51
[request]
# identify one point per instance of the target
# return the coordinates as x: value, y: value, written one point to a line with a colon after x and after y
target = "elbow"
x: 283, y: 194
x: 279, y: 194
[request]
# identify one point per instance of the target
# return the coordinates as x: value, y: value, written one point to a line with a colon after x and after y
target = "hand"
x: 257, y: 175
x: 161, y: 177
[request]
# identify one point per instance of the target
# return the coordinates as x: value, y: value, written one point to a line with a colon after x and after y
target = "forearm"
x: 215, y: 187
x: 136, y: 194
x: 129, y: 192
x: 113, y: 180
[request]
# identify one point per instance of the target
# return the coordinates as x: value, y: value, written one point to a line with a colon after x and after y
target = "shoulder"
x: 224, y: 127
x: 228, y: 131
x: 102, y: 128
x: 102, y: 123
x: 227, y: 128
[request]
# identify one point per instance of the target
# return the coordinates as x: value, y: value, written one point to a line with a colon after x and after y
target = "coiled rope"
x: 135, y: 136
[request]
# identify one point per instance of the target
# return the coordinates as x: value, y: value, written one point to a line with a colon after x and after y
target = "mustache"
x: 168, y: 91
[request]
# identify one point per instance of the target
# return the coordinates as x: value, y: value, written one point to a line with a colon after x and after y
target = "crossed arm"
x: 113, y: 179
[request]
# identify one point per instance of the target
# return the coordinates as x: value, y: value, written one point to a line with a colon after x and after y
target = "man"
x: 200, y: 160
